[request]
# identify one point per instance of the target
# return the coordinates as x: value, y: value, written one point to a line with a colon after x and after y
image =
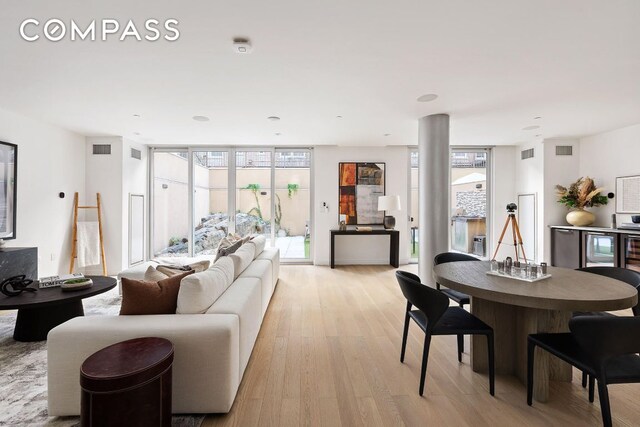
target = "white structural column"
x: 433, y: 162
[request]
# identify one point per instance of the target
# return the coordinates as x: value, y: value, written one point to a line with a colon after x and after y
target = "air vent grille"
x: 136, y: 154
x: 101, y: 148
x: 564, y: 150
x: 527, y: 154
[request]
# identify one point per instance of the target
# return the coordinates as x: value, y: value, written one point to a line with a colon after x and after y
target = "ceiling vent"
x: 136, y: 154
x: 564, y: 150
x: 101, y: 148
x: 526, y: 154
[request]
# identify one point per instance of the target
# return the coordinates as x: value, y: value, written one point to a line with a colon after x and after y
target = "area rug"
x: 23, y: 373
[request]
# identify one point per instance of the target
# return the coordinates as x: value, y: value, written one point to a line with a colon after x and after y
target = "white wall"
x: 503, y: 192
x: 355, y: 249
x: 561, y: 170
x: 50, y: 161
x: 606, y: 156
x: 135, y: 177
x: 104, y: 176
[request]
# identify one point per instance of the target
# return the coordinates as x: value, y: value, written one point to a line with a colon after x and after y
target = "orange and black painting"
x: 360, y: 185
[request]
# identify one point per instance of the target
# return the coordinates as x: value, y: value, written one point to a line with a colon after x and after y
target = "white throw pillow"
x: 199, y: 291
x: 153, y: 275
x: 259, y: 241
x: 242, y: 258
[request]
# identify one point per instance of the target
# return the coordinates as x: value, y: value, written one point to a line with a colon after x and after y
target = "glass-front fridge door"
x: 632, y: 253
x: 600, y: 249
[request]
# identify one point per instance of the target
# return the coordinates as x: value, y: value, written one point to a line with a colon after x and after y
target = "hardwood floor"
x: 328, y: 354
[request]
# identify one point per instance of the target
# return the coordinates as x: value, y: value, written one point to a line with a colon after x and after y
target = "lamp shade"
x: 389, y: 203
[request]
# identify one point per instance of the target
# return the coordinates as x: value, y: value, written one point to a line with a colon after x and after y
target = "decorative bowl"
x: 76, y: 284
x: 635, y: 219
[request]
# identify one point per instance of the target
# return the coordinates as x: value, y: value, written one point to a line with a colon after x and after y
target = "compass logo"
x: 55, y: 30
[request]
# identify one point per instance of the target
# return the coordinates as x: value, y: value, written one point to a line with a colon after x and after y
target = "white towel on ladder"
x: 88, y: 247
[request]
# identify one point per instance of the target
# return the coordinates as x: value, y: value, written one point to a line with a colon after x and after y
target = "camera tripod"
x: 517, y: 238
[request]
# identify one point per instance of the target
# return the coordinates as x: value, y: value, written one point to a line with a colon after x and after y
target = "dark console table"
x: 394, y: 242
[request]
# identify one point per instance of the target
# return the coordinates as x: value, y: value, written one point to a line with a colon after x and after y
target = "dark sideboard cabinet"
x: 577, y: 247
x: 19, y: 261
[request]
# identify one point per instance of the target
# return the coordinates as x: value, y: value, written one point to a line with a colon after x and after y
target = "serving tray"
x: 522, y: 279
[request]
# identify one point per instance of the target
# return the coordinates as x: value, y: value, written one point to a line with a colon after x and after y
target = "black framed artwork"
x: 8, y: 189
x: 359, y: 186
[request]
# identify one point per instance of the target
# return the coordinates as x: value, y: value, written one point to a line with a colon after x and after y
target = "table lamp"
x: 389, y: 203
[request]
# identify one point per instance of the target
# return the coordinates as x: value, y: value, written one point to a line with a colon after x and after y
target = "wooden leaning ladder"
x: 74, y: 242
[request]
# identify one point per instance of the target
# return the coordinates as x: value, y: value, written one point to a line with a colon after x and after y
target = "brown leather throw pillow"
x: 143, y: 297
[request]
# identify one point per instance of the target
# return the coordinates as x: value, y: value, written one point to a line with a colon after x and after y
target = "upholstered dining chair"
x: 435, y: 317
x: 624, y: 275
x: 604, y: 347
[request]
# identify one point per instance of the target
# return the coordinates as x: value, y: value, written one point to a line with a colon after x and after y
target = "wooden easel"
x: 74, y: 242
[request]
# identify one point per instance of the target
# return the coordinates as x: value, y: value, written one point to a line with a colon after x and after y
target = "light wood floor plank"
x: 328, y: 354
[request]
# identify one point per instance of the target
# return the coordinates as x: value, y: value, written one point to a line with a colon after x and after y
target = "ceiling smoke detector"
x: 241, y: 45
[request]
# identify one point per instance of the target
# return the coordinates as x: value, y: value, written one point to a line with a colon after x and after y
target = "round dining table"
x: 515, y: 309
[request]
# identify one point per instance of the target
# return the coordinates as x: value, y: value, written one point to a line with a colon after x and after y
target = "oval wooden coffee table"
x: 41, y: 311
x: 515, y: 309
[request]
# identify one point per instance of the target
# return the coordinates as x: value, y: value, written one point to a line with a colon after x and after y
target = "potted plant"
x: 580, y: 195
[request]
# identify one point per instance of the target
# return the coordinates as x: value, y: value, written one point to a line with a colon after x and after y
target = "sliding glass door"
x: 170, y: 192
x: 210, y: 200
x: 193, y: 207
x: 469, y: 200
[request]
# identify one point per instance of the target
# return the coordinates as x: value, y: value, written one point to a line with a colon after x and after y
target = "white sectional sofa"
x: 211, y: 350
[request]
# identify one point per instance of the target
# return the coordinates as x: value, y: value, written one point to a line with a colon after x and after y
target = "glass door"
x: 211, y: 220
x: 414, y: 203
x: 253, y: 193
x: 292, y: 204
x: 599, y: 249
x: 170, y: 236
x: 469, y: 201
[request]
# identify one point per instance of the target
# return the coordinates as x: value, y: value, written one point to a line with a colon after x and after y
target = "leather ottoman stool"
x: 128, y: 383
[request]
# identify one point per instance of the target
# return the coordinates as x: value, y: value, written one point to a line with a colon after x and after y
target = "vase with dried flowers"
x: 580, y: 195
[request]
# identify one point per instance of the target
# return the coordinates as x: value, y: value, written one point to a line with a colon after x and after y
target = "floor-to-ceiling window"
x: 210, y: 200
x: 170, y: 189
x: 193, y: 207
x: 414, y: 203
x: 469, y: 200
x: 292, y: 204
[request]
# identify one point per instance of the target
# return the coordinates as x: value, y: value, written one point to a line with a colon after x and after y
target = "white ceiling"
x: 495, y: 64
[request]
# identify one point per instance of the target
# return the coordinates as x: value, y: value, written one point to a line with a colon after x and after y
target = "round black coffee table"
x: 41, y: 311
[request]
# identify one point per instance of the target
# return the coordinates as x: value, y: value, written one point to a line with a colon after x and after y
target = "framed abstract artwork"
x: 359, y: 186
x: 8, y: 178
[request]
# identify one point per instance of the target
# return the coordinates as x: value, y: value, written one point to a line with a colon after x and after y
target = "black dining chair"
x: 604, y: 347
x: 624, y: 275
x: 459, y: 297
x: 435, y: 317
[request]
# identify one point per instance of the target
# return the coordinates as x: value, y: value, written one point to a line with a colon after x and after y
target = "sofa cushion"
x: 142, y: 297
x: 200, y: 290
x: 272, y: 255
x: 243, y: 298
x: 138, y: 271
x: 242, y: 258
x: 259, y: 241
x: 173, y: 269
x: 227, y: 249
x: 261, y: 269
x: 153, y: 275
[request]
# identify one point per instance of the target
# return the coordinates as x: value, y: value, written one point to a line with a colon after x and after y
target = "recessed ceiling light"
x: 201, y: 118
x: 338, y: 117
x: 428, y: 97
x: 387, y: 134
x: 273, y: 118
x: 537, y: 118
x: 136, y: 115
x: 538, y: 135
x: 137, y: 133
x: 534, y: 127
x: 278, y: 134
